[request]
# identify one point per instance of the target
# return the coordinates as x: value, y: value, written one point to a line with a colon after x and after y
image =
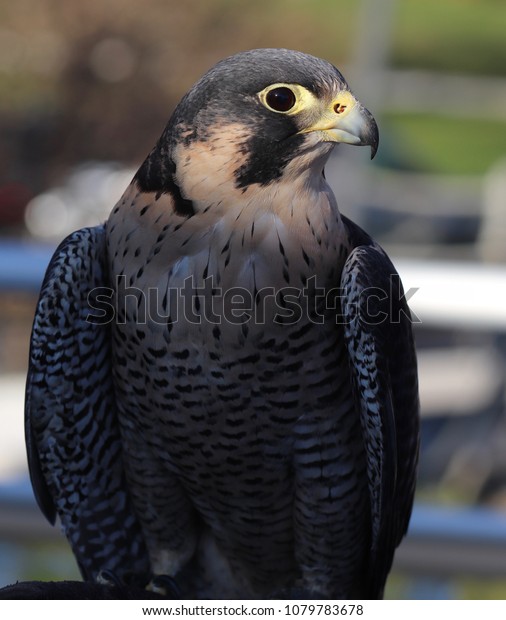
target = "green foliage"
x: 464, y: 36
x: 447, y: 144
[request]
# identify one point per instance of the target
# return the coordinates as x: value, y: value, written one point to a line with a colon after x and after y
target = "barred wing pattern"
x: 72, y: 433
x: 379, y: 339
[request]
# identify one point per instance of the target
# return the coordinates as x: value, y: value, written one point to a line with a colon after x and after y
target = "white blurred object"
x: 12, y: 438
x: 46, y: 215
x: 467, y: 295
x: 458, y: 381
x: 86, y: 199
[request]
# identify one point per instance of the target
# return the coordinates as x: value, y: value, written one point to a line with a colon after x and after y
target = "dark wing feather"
x: 378, y: 333
x: 72, y: 434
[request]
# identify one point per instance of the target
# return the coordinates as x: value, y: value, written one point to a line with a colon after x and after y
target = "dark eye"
x: 280, y: 99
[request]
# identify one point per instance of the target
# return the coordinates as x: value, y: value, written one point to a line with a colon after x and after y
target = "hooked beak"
x: 346, y: 120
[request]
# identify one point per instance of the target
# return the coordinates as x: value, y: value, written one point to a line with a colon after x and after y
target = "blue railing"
x: 23, y: 264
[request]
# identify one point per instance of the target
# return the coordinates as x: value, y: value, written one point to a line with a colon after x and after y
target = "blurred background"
x: 87, y: 87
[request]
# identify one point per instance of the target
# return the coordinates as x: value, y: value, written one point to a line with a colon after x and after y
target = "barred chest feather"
x: 227, y: 311
x: 230, y: 372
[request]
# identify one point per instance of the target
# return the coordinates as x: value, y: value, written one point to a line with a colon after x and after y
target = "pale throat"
x: 296, y: 214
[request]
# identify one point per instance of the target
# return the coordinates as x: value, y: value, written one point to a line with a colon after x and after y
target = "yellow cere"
x: 341, y: 105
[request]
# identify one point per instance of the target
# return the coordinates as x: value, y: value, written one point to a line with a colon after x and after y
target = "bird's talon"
x: 164, y: 585
x: 107, y: 577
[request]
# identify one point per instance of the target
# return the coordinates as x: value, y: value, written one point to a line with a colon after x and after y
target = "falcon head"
x: 252, y: 120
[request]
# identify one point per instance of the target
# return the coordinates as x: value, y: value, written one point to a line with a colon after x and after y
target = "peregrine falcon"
x: 222, y: 385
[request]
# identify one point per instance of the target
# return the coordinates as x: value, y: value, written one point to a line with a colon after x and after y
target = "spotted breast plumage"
x: 222, y: 383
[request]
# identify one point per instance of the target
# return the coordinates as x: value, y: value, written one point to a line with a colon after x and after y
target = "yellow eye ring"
x: 287, y: 98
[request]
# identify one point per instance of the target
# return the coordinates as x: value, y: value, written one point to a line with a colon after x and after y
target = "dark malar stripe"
x: 157, y: 174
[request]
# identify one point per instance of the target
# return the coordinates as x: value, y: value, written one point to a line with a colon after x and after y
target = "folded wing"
x: 72, y: 434
x: 378, y: 332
